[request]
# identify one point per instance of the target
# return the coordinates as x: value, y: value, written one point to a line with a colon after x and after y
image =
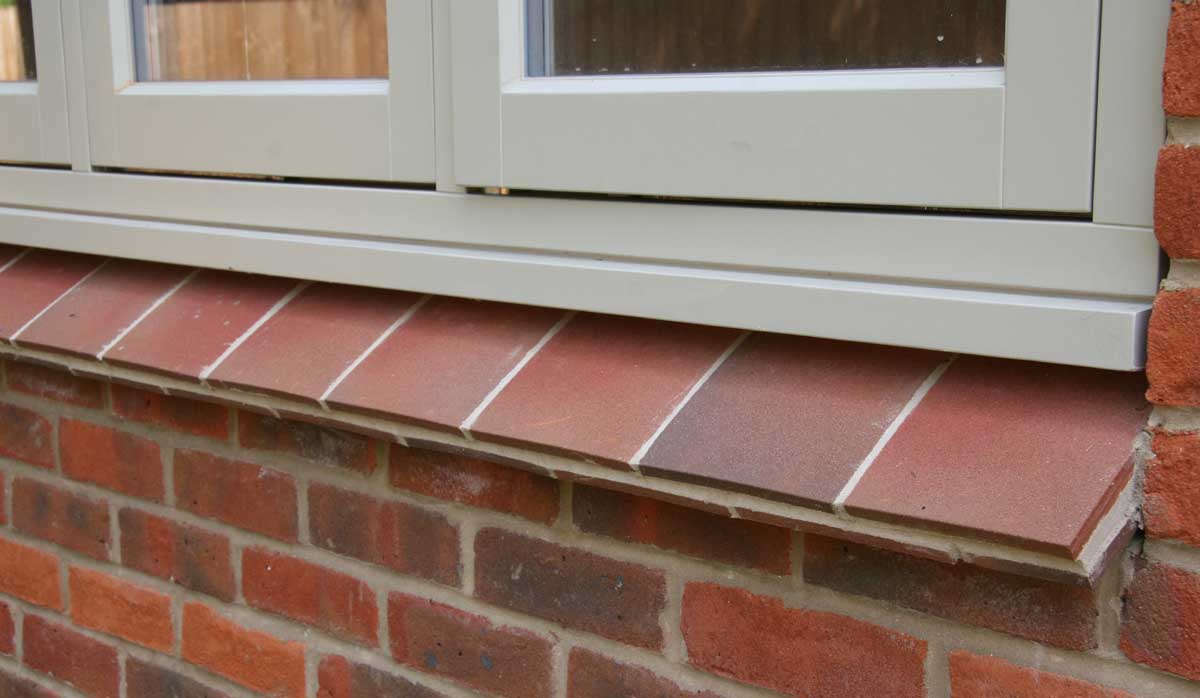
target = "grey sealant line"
x: 271, y: 312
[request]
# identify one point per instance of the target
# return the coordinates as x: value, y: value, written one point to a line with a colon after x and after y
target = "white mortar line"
x: 53, y: 303
x: 4, y: 267
x: 253, y: 328
x: 145, y: 314
x: 404, y: 317
x: 469, y: 422
x: 645, y: 448
x: 839, y: 503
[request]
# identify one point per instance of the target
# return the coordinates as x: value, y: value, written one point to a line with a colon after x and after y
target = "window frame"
x: 35, y: 127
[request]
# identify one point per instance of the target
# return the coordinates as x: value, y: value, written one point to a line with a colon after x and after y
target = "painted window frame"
x: 35, y: 123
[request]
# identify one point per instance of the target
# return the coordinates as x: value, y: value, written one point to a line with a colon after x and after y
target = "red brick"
x: 61, y: 517
x: 240, y: 494
x: 7, y: 630
x: 310, y: 594
x: 1054, y: 614
x: 146, y: 680
x: 54, y: 384
x: 177, y: 413
x: 468, y: 649
x: 619, y: 600
x: 26, y: 436
x: 1173, y: 488
x: 12, y: 686
x: 1172, y: 364
x: 339, y: 678
x: 29, y: 574
x: 312, y: 442
x: 474, y: 482
x: 1177, y: 200
x: 592, y: 675
x: 973, y: 676
x: 692, y: 532
x: 111, y: 458
x: 71, y: 657
x: 251, y: 658
x: 187, y: 555
x: 758, y: 640
x: 1181, y: 80
x: 128, y: 611
x: 401, y: 537
x: 1161, y: 620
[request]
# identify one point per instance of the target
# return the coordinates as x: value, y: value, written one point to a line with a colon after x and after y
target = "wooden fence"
x: 16, y: 58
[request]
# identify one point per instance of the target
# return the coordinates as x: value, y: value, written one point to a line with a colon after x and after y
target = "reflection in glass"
x: 16, y: 41
x: 260, y: 39
x: 605, y: 37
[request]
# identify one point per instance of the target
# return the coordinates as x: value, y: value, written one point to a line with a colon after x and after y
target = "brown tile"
x: 36, y: 281
x: 1023, y: 453
x: 302, y: 349
x: 603, y: 385
x: 100, y: 308
x: 442, y: 363
x: 789, y: 418
x: 198, y: 322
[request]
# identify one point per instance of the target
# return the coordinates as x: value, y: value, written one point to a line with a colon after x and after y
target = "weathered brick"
x: 13, y: 686
x: 128, y: 611
x: 468, y: 649
x: 1177, y: 200
x: 1055, y: 614
x: 8, y: 630
x: 758, y: 640
x: 187, y: 555
x: 61, y: 517
x: 176, y: 413
x: 592, y: 675
x: 339, y: 678
x: 251, y: 658
x: 71, y: 657
x: 26, y: 436
x: 1173, y: 488
x: 1172, y: 364
x: 407, y: 539
x: 474, y: 482
x: 619, y: 600
x: 689, y: 531
x: 146, y: 680
x: 312, y: 442
x: 111, y: 458
x: 310, y: 594
x: 54, y: 384
x: 1181, y: 80
x: 240, y: 494
x: 1160, y: 621
x: 974, y: 676
x: 29, y: 574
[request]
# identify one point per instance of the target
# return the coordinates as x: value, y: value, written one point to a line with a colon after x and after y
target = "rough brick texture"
x: 250, y: 657
x: 111, y: 458
x: 187, y: 555
x: 1161, y: 620
x: 1051, y: 613
x: 973, y: 676
x: 26, y: 436
x: 1172, y: 363
x: 468, y: 649
x: 756, y: 639
x: 339, y: 678
x: 312, y: 442
x: 592, y: 675
x: 29, y: 574
x: 71, y: 657
x: 8, y: 630
x: 53, y: 384
x: 1177, y: 201
x: 240, y: 494
x: 1173, y: 488
x: 117, y: 607
x: 176, y: 413
x: 70, y: 520
x: 474, y: 482
x: 146, y: 680
x: 1181, y: 80
x: 12, y: 686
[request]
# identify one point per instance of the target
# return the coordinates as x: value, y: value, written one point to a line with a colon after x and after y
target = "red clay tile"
x: 36, y: 281
x: 199, y: 322
x: 789, y: 418
x: 302, y: 349
x: 100, y: 308
x: 441, y: 364
x: 603, y: 385
x: 8, y: 253
x: 1024, y: 453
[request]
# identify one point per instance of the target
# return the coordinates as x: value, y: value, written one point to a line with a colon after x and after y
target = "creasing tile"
x: 8, y: 253
x: 37, y: 280
x: 301, y: 350
x: 442, y: 363
x: 198, y: 322
x: 603, y: 385
x: 789, y: 418
x: 100, y: 308
x: 1023, y: 453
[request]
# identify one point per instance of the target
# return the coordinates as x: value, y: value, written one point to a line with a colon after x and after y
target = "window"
x: 964, y: 175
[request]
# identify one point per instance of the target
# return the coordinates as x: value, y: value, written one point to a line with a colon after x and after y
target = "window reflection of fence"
x: 16, y: 57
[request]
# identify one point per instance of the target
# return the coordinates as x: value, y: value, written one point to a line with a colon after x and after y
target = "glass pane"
x: 601, y: 37
x: 260, y: 39
x: 16, y: 41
